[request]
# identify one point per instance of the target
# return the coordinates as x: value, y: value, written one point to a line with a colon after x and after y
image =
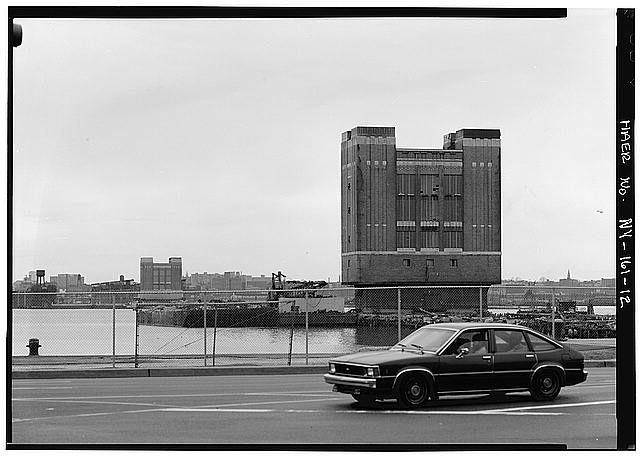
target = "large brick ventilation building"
x: 160, y: 276
x: 420, y: 217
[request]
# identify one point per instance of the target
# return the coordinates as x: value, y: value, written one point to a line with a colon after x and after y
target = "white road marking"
x: 573, y: 404
x: 592, y: 385
x: 83, y: 415
x: 326, y: 394
x: 271, y: 393
x: 364, y: 412
x: 271, y: 402
x: 41, y: 387
x: 73, y: 401
x: 516, y: 411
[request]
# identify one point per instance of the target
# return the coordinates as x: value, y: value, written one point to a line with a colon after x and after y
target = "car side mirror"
x: 463, y: 351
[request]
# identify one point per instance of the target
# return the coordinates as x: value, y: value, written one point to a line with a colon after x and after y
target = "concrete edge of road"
x: 166, y: 372
x: 197, y: 371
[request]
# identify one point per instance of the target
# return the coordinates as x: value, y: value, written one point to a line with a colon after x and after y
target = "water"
x: 597, y: 310
x: 89, y: 332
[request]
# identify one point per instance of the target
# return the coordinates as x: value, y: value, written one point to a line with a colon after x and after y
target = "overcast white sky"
x: 219, y: 140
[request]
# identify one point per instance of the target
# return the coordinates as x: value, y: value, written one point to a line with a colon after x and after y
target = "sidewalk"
x: 598, y: 353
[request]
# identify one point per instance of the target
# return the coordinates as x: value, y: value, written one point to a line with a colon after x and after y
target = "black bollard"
x: 33, y: 346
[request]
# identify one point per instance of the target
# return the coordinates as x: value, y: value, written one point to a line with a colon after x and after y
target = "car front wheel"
x: 413, y: 391
x: 545, y: 385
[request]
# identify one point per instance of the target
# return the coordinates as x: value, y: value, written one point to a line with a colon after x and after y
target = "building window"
x: 348, y: 210
x: 430, y: 239
x: 453, y: 263
x: 348, y: 263
x: 348, y: 185
x: 406, y: 184
x: 406, y: 239
x: 406, y: 208
x: 406, y: 262
x: 453, y: 239
x: 430, y: 262
x: 348, y: 239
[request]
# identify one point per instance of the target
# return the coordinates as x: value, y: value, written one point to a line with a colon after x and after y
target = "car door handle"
x: 486, y: 357
x: 529, y: 356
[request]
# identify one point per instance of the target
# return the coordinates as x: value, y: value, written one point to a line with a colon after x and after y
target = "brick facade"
x: 420, y: 216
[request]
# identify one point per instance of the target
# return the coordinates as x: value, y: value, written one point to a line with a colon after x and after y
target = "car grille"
x: 350, y: 369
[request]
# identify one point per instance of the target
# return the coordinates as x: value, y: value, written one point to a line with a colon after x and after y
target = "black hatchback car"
x: 459, y: 358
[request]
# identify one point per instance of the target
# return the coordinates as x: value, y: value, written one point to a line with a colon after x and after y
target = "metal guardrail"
x: 283, y: 326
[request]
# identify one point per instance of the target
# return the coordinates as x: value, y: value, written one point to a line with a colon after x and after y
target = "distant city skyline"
x: 219, y: 140
x: 186, y: 273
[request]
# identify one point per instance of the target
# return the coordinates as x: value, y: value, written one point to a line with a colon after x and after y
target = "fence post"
x: 399, y: 317
x: 135, y: 357
x: 480, y: 304
x: 293, y: 315
x: 113, y: 329
x: 205, y: 332
x: 306, y: 327
x: 553, y: 313
x: 215, y: 327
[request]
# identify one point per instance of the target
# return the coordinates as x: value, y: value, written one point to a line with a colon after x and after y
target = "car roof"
x: 470, y: 324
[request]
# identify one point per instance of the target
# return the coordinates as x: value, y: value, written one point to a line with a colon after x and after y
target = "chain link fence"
x: 280, y: 327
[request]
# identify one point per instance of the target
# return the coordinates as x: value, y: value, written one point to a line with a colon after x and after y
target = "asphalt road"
x: 297, y: 409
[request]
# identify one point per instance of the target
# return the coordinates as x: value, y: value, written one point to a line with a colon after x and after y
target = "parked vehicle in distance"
x: 459, y: 358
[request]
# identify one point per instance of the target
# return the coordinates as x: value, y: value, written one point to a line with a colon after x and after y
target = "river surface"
x: 90, y: 332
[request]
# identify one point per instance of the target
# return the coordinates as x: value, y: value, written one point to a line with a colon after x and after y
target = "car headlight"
x: 373, y: 371
x: 332, y: 368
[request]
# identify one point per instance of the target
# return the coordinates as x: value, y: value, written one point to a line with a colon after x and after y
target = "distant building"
x: 117, y: 286
x: 160, y: 276
x: 22, y: 285
x: 230, y: 280
x: 421, y: 216
x: 258, y: 283
x: 569, y: 282
x: 69, y: 282
x: 608, y: 282
x: 39, y: 294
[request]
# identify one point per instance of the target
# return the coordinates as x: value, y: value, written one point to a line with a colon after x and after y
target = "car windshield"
x: 427, y: 339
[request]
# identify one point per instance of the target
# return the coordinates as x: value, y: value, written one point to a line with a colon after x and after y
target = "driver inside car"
x: 479, y: 345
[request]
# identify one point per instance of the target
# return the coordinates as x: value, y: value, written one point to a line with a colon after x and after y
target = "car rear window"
x: 511, y: 341
x: 539, y: 344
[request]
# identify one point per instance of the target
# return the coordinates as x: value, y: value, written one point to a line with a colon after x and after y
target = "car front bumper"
x: 334, y: 379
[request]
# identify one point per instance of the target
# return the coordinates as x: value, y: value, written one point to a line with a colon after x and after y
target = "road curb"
x: 166, y: 372
x: 600, y: 363
x: 201, y: 371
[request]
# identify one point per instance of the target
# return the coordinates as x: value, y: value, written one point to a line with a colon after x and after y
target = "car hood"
x: 374, y: 358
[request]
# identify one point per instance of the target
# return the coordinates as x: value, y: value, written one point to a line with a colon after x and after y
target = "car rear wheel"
x: 413, y: 390
x: 545, y: 385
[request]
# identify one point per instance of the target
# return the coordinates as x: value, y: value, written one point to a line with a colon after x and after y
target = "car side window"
x: 511, y: 341
x: 539, y: 344
x: 477, y: 341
